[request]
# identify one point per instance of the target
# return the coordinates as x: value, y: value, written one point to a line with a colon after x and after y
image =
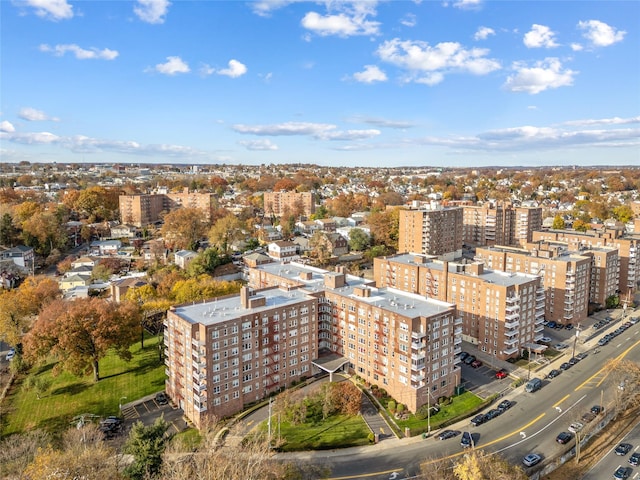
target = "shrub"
x: 372, y: 437
x: 400, y: 408
x: 391, y: 406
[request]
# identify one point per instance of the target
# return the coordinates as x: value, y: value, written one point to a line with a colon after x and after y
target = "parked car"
x: 491, y: 414
x: 565, y: 366
x: 623, y: 449
x: 161, y: 398
x: 554, y: 373
x: 634, y: 459
x: 546, y: 340
x: 531, y: 460
x: 573, y: 360
x: 505, y: 405
x: 568, y: 326
x: 476, y: 363
x: 588, y: 417
x: 448, y: 434
x: 564, y: 437
x: 551, y: 324
x: 560, y: 346
x: 10, y: 354
x: 470, y: 359
x: 597, y: 409
x: 575, y: 427
x: 581, y: 355
x: 621, y: 473
x: 502, y: 373
x: 463, y: 356
x: 478, y: 420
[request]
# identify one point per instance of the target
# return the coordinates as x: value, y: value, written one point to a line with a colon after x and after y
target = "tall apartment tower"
x: 435, y: 230
x: 502, y: 313
x: 140, y: 210
x: 526, y: 220
x: 276, y: 203
x: 566, y: 277
x: 628, y: 246
x: 484, y: 224
x: 605, y: 274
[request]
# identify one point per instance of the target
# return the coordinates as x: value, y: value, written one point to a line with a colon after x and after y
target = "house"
x: 284, y: 251
x: 75, y: 280
x: 154, y: 250
x: 84, y: 262
x: 269, y: 234
x: 105, y: 247
x: 254, y: 259
x: 183, y: 258
x: 308, y: 228
x: 21, y: 255
x: 327, y: 224
x: 123, y: 231
x: 119, y: 288
x: 338, y: 244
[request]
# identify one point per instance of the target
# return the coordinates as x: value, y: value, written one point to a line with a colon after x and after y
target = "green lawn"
x: 338, y: 431
x: 461, y: 404
x: 69, y: 395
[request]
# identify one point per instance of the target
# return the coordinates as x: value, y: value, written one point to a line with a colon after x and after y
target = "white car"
x: 11, y: 353
x: 531, y: 459
x: 575, y: 427
x: 545, y: 340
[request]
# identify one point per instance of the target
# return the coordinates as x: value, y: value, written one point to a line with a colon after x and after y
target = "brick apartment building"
x: 566, y: 276
x: 432, y: 230
x: 277, y: 203
x: 224, y: 354
x: 146, y: 209
x: 627, y: 244
x: 502, y: 313
x: 499, y: 224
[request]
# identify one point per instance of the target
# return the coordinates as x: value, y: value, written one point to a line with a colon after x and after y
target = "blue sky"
x: 337, y: 83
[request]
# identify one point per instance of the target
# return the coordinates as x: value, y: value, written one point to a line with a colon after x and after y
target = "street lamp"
x: 575, y: 340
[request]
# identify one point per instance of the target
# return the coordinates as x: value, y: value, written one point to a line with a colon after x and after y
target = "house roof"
x: 185, y: 253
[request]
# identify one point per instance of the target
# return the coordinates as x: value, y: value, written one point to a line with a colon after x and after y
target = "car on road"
x: 565, y: 366
x: 603, y: 341
x: 470, y: 359
x: 448, y: 434
x: 476, y: 364
x: 466, y: 440
x: 560, y: 346
x: 621, y: 473
x: 634, y: 459
x: 564, y: 437
x: 588, y: 417
x: 505, y: 405
x: 531, y: 459
x: 575, y: 427
x: 478, y: 420
x: 10, y: 354
x: 597, y: 409
x: 582, y: 355
x: 573, y: 360
x: 554, y: 373
x: 161, y: 398
x: 502, y: 373
x: 491, y: 414
x: 623, y: 449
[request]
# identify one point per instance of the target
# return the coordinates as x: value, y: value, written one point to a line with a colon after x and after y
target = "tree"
x: 205, y: 262
x: 384, y: 228
x: 558, y: 222
x: 146, y: 445
x: 580, y: 225
x: 8, y: 233
x: 319, y: 247
x: 623, y: 213
x: 184, y: 228
x: 14, y: 321
x: 202, y: 288
x: 18, y: 451
x: 477, y: 465
x: 284, y: 184
x: 225, y: 232
x: 358, y: 239
x: 44, y: 232
x: 81, y: 332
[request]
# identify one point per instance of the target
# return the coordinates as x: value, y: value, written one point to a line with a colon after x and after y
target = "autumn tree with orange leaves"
x: 79, y: 334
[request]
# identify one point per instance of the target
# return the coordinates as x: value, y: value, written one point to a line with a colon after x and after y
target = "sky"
x: 453, y: 83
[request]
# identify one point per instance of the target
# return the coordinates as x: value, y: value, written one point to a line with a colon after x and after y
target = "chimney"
x: 244, y: 297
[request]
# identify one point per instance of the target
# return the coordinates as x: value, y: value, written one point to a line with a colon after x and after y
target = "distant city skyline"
x: 456, y: 83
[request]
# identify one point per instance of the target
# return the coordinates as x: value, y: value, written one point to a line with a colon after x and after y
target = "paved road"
x: 610, y: 462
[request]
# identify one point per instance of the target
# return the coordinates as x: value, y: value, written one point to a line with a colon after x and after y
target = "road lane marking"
x: 561, y: 400
x: 603, y: 371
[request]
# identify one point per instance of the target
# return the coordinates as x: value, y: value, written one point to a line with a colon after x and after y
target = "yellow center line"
x: 561, y: 400
x: 604, y: 368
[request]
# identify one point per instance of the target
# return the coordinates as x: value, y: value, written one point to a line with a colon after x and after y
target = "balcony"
x: 539, y: 337
x: 510, y: 351
x: 201, y: 408
x: 199, y: 387
x: 417, y: 378
x: 457, y: 321
x: 511, y: 341
x: 418, y: 335
x: 512, y: 317
x: 457, y: 340
x: 511, y: 325
x: 416, y: 356
x: 539, y: 328
x: 511, y: 333
x: 457, y: 331
x: 457, y: 350
x: 195, y: 344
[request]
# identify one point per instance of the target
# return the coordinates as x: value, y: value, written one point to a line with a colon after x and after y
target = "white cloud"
x: 91, y: 53
x: 544, y: 75
x: 6, y: 126
x: 258, y: 145
x: 152, y: 11
x: 206, y: 70
x: 409, y: 20
x: 428, y: 64
x: 576, y: 47
x: 483, y: 33
x: 382, y: 122
x: 235, y: 70
x: 600, y: 34
x: 604, y: 121
x: 467, y: 4
x: 350, y: 19
x: 32, y: 138
x: 172, y: 66
x: 265, y: 7
x: 370, y: 74
x: 320, y: 131
x: 33, y: 115
x: 539, y: 36
x: 50, y: 9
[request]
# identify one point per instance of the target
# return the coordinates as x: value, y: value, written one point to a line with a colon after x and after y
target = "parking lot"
x: 482, y: 380
x: 147, y: 410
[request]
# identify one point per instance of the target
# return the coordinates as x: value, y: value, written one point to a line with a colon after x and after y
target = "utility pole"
x: 269, y: 424
x: 575, y: 340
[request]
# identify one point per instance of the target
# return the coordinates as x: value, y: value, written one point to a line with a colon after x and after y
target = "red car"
x: 476, y: 363
x: 501, y: 373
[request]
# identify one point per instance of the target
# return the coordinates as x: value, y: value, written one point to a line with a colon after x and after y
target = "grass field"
x: 338, y: 431
x: 69, y: 395
x: 461, y: 404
